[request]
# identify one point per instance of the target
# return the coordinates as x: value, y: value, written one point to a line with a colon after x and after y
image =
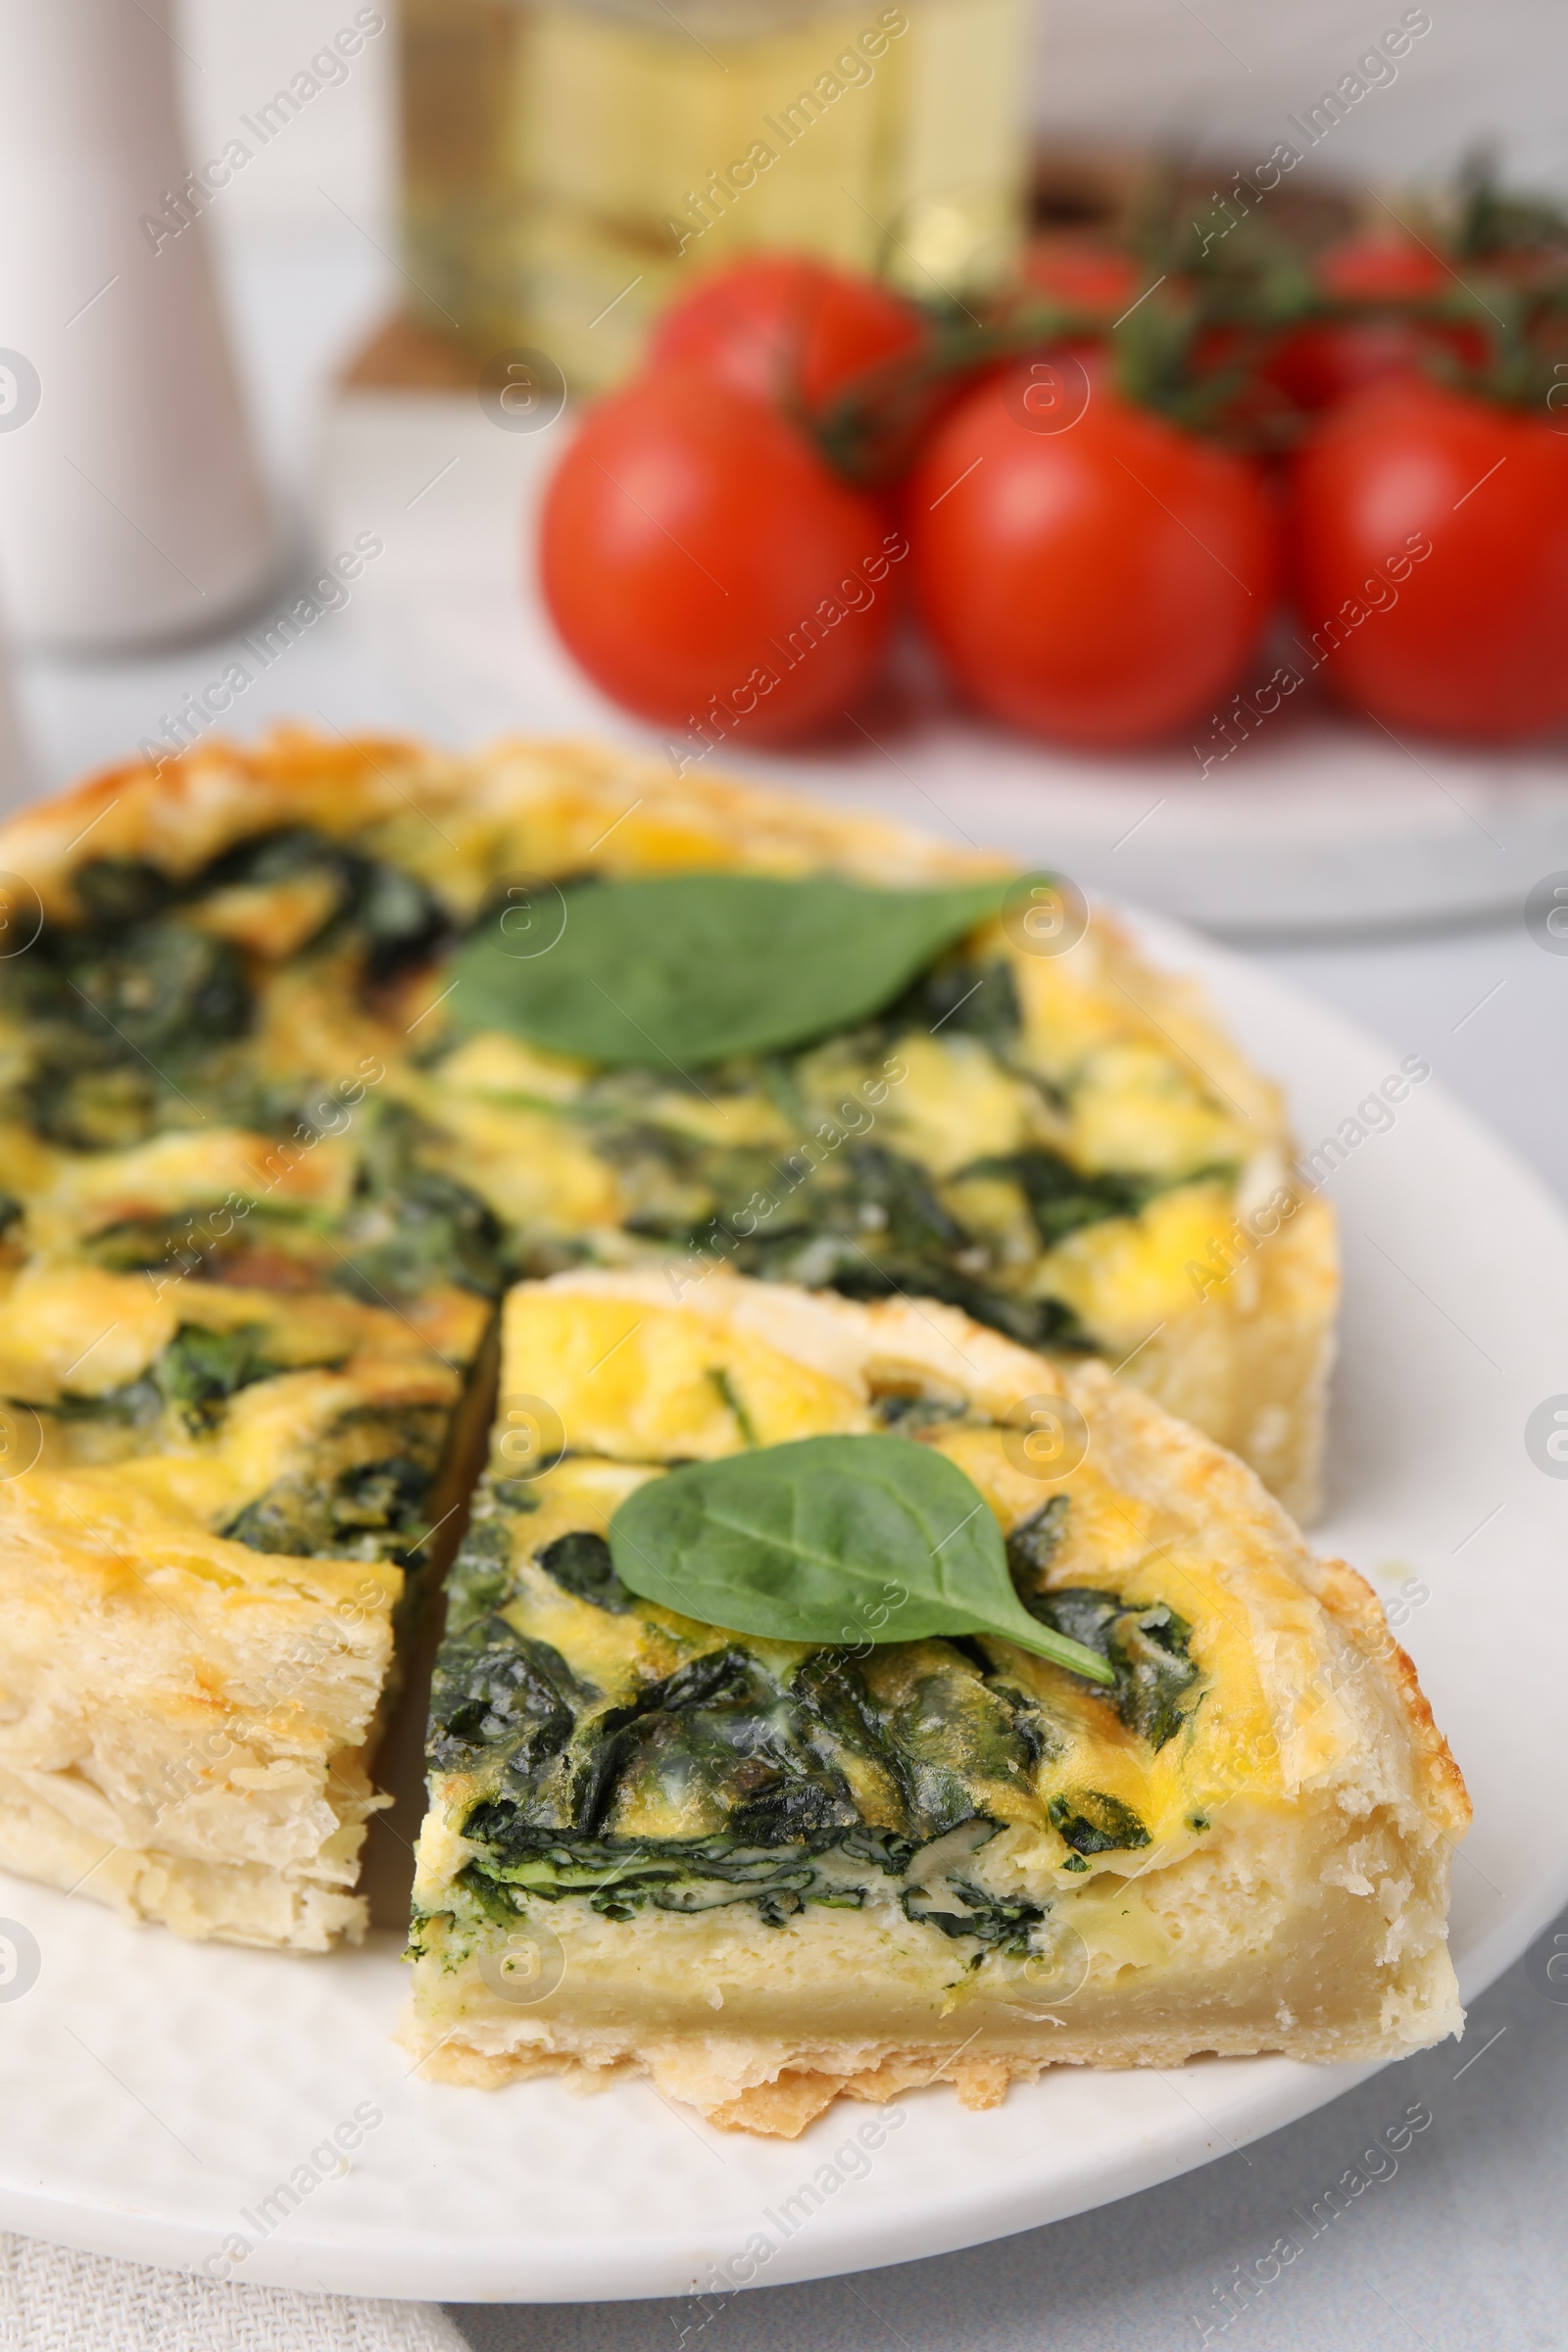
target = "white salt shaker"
x: 132, y: 508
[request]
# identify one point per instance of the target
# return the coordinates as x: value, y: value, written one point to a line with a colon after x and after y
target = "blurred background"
x: 321, y: 211
x: 1125, y: 73
x: 427, y: 192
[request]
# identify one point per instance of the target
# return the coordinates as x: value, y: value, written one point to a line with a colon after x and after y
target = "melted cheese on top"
x: 84, y: 1193
x: 1126, y: 1275
x: 77, y: 1329
x: 639, y: 1382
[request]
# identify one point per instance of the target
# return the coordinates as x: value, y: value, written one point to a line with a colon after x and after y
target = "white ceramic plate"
x: 157, y: 2094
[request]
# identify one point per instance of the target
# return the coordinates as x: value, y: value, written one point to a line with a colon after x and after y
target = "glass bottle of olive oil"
x: 568, y: 165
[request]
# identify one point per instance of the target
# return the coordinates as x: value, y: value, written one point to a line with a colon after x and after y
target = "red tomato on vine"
x: 707, y: 568
x: 1329, y: 360
x: 1430, y: 541
x: 1083, y: 272
x: 787, y: 328
x: 1098, y: 585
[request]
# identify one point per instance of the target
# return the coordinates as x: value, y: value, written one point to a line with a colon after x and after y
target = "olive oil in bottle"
x: 569, y: 165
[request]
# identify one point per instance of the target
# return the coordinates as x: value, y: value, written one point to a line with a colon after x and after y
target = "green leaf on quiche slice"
x: 831, y: 1539
x: 694, y: 970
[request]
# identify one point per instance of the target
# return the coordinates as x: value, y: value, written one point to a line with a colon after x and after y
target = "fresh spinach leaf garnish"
x: 831, y: 1539
x: 685, y: 970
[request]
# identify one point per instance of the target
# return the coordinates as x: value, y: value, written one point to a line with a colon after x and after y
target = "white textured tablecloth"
x: 55, y: 2300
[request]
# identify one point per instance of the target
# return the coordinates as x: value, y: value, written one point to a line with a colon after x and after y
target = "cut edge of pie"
x: 192, y: 1721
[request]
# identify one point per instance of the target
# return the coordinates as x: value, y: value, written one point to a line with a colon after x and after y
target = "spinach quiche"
x: 309, y: 1051
x: 1188, y: 1799
x: 1039, y: 1129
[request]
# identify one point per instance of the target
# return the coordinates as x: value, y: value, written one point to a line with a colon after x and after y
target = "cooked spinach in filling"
x: 755, y: 1775
x: 197, y: 1373
x: 411, y: 1225
x: 839, y: 1210
x: 356, y: 1494
x: 120, y: 1024
x: 210, y: 1002
x: 228, y: 1008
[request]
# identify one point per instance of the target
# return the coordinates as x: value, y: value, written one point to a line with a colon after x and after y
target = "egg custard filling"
x: 309, y: 1051
x: 766, y: 1871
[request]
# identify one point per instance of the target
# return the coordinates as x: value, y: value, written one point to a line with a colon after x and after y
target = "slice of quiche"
x: 249, y: 1034
x: 218, y: 1508
x: 766, y: 1871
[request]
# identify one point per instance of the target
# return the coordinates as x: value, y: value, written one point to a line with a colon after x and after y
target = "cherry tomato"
x: 1098, y: 585
x: 704, y: 566
x: 1319, y: 365
x: 787, y: 328
x: 1430, y: 538
x: 1081, y: 273
x: 1084, y: 272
